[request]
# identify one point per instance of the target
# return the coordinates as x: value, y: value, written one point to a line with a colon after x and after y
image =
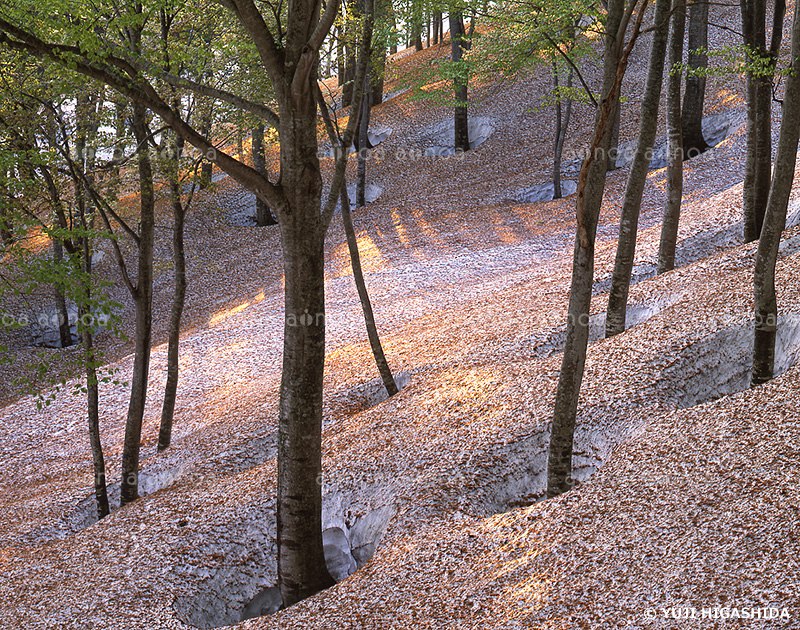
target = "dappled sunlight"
x: 525, y: 589
x: 221, y: 316
x: 727, y: 99
x: 425, y: 227
x: 399, y: 228
x: 372, y: 259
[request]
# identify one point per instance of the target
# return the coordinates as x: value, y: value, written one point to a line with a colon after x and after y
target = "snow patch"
x: 720, y: 364
x: 240, y: 588
x: 542, y: 192
x: 439, y: 140
x: 367, y: 394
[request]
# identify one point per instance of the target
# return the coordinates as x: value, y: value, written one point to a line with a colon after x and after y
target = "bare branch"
x: 262, y: 111
x: 250, y: 17
x: 143, y: 92
x: 324, y: 25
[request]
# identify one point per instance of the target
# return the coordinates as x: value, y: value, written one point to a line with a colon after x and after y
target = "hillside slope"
x: 689, y: 493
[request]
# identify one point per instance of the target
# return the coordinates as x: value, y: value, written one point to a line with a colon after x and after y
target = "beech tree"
x: 521, y: 35
x: 692, y: 113
x: 760, y: 74
x: 766, y: 303
x: 637, y: 176
x: 337, y: 140
x: 51, y: 176
x: 459, y: 43
x: 672, y: 204
x: 288, y: 53
x: 591, y: 183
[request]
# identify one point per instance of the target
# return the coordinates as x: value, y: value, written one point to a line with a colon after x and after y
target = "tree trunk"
x: 758, y: 173
x: 355, y: 259
x: 613, y: 149
x: 207, y: 168
x: 692, y: 114
x: 562, y: 125
x: 366, y: 306
x: 84, y: 124
x: 300, y: 555
x: 349, y: 75
x: 301, y: 561
x: 416, y: 29
x: 64, y: 334
x: 6, y: 233
x: 637, y: 177
x: 142, y: 299
x: 340, y: 57
x: 766, y: 303
x: 460, y: 83
x: 176, y: 312
x: 393, y: 21
x: 92, y: 391
x: 672, y: 205
x: 591, y: 183
x: 363, y: 144
x: 263, y: 215
x: 377, y: 70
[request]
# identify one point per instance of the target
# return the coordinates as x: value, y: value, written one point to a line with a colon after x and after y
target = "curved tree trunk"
x: 369, y: 317
x: 176, y: 312
x: 629, y: 220
x: 143, y: 303
x: 693, y: 99
x: 766, y: 304
x: 672, y: 205
x: 591, y: 183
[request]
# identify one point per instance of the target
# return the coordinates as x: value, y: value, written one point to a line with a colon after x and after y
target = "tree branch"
x: 324, y: 25
x: 143, y: 92
x: 262, y: 111
x: 572, y: 65
x: 252, y: 20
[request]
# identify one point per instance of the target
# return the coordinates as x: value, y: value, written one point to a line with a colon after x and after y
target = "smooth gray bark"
x: 672, y: 204
x: 766, y: 303
x: 694, y: 97
x: 637, y: 176
x: 591, y: 183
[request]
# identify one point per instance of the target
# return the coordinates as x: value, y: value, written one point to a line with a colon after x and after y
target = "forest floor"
x: 689, y: 495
